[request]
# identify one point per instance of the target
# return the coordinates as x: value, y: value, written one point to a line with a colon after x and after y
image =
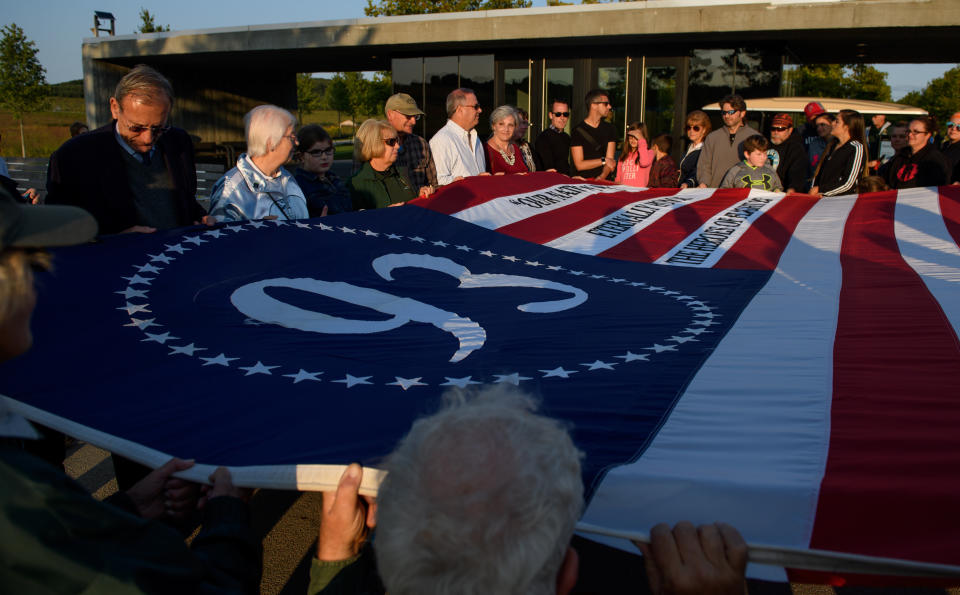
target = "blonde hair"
x: 369, y: 142
x: 16, y: 277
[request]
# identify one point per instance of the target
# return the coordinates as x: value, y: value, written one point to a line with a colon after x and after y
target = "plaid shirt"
x: 415, y: 156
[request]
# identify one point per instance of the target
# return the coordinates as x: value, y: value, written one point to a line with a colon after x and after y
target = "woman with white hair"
x: 258, y: 187
x: 503, y: 154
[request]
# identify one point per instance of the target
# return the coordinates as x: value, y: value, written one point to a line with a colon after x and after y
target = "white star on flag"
x: 637, y: 284
x: 533, y: 263
x: 554, y: 268
x: 600, y: 365
x: 513, y: 379
x: 185, y: 349
x: 617, y: 280
x: 220, y: 360
x: 655, y: 288
x: 159, y: 338
x: 417, y: 239
x: 661, y: 348
x: 147, y: 268
x: 134, y: 308
x: 487, y: 253
x: 213, y: 233
x: 461, y: 382
x: 406, y: 383
x: 257, y: 224
x: 633, y: 357
x: 178, y: 248
x: 681, y: 339
x: 559, y: 372
x: 440, y: 243
x: 367, y: 232
x: 137, y: 279
x: 322, y: 226
x: 464, y: 248
x: 258, y: 368
x: 303, y: 375
x: 347, y: 230
x: 598, y: 276
x: 576, y: 273
x: 511, y: 258
x: 302, y: 225
x: 160, y: 258
x: 696, y: 331
x: 393, y: 236
x: 195, y: 240
x: 351, y: 381
x: 142, y: 324
x: 130, y: 292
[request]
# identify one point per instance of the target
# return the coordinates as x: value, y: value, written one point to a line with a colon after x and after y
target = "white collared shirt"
x: 457, y: 153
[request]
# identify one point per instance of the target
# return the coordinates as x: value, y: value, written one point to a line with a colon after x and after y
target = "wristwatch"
x: 603, y: 161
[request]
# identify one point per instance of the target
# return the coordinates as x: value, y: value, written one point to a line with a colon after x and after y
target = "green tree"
x: 337, y: 97
x: 23, y: 84
x: 941, y: 96
x: 308, y: 99
x: 383, y: 8
x: 148, y: 24
x: 847, y: 81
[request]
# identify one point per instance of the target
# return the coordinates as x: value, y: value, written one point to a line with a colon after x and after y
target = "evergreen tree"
x: 23, y: 84
x: 148, y: 23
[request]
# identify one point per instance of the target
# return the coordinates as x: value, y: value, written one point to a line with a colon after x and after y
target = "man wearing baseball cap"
x: 786, y: 154
x: 403, y: 114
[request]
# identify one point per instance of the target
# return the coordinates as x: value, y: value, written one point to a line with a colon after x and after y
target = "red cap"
x: 783, y: 120
x: 813, y: 109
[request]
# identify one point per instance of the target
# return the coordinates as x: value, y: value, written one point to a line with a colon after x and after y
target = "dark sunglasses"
x: 953, y: 124
x: 728, y: 112
x: 780, y: 128
x: 414, y: 117
x: 392, y: 141
x: 318, y: 152
x: 602, y: 103
x: 567, y: 115
x: 693, y: 127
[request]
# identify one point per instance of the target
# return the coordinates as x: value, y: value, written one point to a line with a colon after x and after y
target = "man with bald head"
x: 137, y: 173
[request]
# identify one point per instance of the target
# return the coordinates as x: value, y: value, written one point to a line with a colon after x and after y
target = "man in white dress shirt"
x: 457, y: 152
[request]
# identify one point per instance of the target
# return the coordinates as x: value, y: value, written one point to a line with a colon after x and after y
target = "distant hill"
x: 67, y: 89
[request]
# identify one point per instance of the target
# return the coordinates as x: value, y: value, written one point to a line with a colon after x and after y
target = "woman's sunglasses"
x: 693, y: 127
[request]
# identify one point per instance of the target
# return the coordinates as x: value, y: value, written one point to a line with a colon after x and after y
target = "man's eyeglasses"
x: 780, y: 128
x: 475, y: 106
x: 728, y: 112
x: 140, y: 129
x: 607, y: 103
x: 392, y: 141
x: 319, y: 152
x: 693, y: 127
x: 567, y: 114
x: 292, y: 138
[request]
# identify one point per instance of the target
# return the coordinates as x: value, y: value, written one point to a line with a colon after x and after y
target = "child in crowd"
x: 664, y: 172
x: 633, y: 167
x: 753, y: 171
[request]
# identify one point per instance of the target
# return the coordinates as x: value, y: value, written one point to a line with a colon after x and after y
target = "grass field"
x: 44, y: 132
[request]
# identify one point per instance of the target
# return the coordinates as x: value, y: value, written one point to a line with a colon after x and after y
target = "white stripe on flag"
x: 641, y: 214
x: 932, y: 253
x: 505, y: 210
x: 747, y: 443
x: 707, y: 245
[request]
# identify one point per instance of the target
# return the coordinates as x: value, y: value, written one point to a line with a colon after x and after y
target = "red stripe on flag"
x: 950, y: 209
x: 761, y: 246
x: 545, y: 227
x: 671, y: 229
x: 892, y: 475
x: 476, y: 190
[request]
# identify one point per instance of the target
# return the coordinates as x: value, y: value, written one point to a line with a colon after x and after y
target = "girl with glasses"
x: 633, y: 167
x: 326, y: 193
x: 697, y: 128
x: 920, y: 163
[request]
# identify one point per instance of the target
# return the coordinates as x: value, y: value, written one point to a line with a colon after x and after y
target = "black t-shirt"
x: 594, y: 142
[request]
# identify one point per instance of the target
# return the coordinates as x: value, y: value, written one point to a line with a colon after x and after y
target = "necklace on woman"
x: 510, y: 159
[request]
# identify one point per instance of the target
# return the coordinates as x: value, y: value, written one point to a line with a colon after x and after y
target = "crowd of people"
x: 480, y: 496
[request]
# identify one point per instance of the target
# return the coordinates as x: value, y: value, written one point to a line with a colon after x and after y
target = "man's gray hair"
x: 456, y: 98
x: 479, y: 498
x: 146, y: 84
x: 502, y: 113
x: 265, y: 126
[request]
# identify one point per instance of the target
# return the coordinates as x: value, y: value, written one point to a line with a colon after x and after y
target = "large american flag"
x: 783, y: 363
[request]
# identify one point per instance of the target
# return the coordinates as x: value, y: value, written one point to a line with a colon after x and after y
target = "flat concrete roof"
x: 807, y: 31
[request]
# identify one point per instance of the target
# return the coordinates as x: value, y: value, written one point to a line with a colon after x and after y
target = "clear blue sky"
x: 59, y: 26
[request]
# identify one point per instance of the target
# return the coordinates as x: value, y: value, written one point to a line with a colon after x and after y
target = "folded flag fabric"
x: 782, y: 363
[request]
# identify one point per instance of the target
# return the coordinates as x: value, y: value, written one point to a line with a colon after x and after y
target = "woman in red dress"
x: 503, y: 155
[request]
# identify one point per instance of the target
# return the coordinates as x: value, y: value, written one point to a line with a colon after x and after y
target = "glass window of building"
x: 441, y: 75
x: 613, y: 80
x: 659, y: 105
x: 477, y: 73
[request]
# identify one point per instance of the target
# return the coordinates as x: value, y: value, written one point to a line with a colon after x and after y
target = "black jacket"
x: 926, y: 167
x: 88, y: 171
x: 792, y: 163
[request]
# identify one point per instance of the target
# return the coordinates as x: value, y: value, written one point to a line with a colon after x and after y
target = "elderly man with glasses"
x: 457, y: 150
x: 553, y: 144
x: 137, y: 173
x: 414, y: 153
